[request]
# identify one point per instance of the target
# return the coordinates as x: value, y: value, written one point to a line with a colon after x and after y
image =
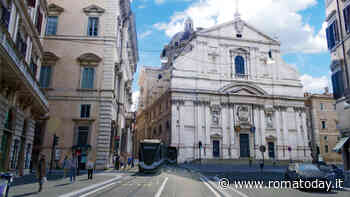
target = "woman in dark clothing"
x: 41, y: 172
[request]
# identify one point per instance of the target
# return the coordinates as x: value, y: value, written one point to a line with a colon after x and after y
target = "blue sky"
x: 299, y: 25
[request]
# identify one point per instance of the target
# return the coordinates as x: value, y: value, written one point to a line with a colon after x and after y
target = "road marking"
x: 203, y: 179
x: 92, y: 187
x: 161, y: 188
x: 94, y: 191
x: 223, y: 190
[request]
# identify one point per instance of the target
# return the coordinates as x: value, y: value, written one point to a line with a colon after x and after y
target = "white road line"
x: 223, y: 190
x: 101, y: 188
x: 86, y: 189
x: 161, y: 188
x: 205, y: 182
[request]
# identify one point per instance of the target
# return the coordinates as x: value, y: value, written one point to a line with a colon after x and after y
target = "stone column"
x: 208, y: 150
x: 299, y: 141
x: 285, y: 133
x: 279, y: 142
x: 174, y: 125
x: 196, y: 130
x: 262, y: 129
x: 306, y: 143
x: 257, y: 131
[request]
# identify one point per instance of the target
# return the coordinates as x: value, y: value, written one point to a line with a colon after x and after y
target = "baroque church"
x: 232, y: 93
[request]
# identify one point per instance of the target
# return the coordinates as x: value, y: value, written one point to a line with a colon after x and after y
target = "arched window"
x: 239, y: 65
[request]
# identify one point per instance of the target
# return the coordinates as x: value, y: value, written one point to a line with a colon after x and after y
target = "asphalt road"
x: 170, y: 182
x: 179, y: 182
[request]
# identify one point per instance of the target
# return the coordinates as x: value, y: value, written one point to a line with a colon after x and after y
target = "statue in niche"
x: 269, y: 120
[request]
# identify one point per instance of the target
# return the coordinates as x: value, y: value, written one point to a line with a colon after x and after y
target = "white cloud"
x: 145, y: 34
x: 275, y: 17
x: 314, y: 84
x: 135, y: 100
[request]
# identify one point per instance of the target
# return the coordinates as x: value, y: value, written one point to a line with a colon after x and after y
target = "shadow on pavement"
x: 64, y: 184
x: 31, y: 178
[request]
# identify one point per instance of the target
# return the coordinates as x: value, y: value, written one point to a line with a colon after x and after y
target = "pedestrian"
x: 90, y: 167
x: 73, y: 168
x: 129, y: 162
x: 41, y: 172
x: 132, y: 162
x: 65, y: 166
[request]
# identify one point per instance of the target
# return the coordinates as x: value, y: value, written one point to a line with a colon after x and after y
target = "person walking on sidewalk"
x: 90, y: 167
x: 41, y: 172
x: 65, y: 166
x: 73, y: 168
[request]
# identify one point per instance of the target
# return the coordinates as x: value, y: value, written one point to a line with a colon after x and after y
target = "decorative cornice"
x: 54, y: 10
x: 89, y: 59
x: 93, y: 9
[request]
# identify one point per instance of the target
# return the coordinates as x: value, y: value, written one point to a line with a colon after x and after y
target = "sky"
x: 298, y: 24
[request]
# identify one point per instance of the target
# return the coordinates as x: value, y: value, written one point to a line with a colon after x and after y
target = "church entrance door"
x: 244, y: 145
x: 216, y: 148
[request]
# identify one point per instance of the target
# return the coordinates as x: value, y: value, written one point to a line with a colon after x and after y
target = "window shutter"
x: 91, y: 78
x: 328, y: 37
x: 96, y: 27
x: 335, y: 86
x: 89, y: 27
x: 340, y: 83
x: 346, y: 18
x: 239, y: 63
x: 336, y: 31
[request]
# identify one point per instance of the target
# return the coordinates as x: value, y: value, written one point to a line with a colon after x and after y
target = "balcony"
x: 22, y: 72
x: 241, y: 76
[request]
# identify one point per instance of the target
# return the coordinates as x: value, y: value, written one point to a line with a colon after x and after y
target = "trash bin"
x: 5, y: 183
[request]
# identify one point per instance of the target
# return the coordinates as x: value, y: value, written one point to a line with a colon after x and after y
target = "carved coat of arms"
x: 216, y: 114
x: 243, y: 114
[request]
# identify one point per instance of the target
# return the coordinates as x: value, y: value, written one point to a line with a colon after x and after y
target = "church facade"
x: 231, y: 92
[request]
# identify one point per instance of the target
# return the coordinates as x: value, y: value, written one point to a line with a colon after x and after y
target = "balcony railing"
x: 9, y: 46
x: 5, y: 16
x: 241, y: 76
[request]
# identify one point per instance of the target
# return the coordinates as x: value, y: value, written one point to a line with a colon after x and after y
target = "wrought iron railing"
x: 9, y: 46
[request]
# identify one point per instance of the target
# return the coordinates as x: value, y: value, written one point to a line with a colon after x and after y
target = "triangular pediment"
x: 55, y: 8
x: 93, y: 9
x: 243, y: 89
x: 228, y: 30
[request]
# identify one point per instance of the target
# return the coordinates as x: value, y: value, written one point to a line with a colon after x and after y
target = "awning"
x: 340, y: 144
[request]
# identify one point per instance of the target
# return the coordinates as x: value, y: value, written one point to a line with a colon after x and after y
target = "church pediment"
x: 232, y: 28
x: 243, y: 89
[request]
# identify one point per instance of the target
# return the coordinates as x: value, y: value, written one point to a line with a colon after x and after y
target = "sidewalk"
x: 56, y: 185
x: 221, y: 168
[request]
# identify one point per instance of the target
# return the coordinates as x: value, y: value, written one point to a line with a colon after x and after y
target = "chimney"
x: 326, y: 90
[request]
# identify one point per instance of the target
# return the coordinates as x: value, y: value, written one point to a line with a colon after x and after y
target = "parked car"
x: 333, y: 170
x: 306, y: 172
